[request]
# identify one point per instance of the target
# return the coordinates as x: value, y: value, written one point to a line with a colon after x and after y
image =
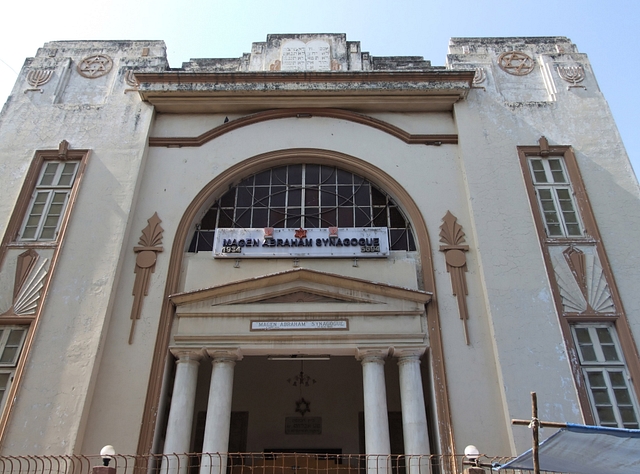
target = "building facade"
x: 313, y: 249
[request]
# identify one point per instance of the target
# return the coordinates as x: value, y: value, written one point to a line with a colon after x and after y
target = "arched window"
x: 308, y: 196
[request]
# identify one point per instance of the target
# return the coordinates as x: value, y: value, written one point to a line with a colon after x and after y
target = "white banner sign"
x: 301, y: 243
x: 297, y: 325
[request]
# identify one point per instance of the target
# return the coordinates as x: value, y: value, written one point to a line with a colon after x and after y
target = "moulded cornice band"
x: 246, y: 92
x: 410, y: 139
x: 181, y: 77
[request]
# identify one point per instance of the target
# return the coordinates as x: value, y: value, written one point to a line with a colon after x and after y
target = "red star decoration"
x: 301, y: 233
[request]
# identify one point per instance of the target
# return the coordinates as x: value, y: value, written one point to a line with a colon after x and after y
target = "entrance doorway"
x: 297, y: 406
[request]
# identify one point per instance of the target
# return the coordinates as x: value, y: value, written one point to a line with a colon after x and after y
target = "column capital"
x: 186, y: 355
x: 408, y: 354
x: 373, y: 354
x: 224, y: 354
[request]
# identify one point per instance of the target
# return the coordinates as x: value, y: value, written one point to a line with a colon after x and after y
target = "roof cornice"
x: 360, y: 91
x: 266, y: 77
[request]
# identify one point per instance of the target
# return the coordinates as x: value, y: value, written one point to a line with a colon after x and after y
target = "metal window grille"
x: 308, y: 196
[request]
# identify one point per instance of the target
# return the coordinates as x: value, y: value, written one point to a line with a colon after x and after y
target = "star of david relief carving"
x: 303, y: 406
x: 516, y: 63
x: 92, y: 67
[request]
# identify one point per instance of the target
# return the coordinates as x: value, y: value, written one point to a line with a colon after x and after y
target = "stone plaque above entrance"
x: 298, y: 425
x: 298, y: 325
x: 312, y: 56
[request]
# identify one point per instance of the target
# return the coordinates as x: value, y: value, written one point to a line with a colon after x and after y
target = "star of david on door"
x: 303, y: 406
x: 516, y: 63
x: 95, y: 66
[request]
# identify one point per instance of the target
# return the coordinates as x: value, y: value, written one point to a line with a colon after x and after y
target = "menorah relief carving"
x: 573, y: 74
x: 480, y: 76
x: 131, y: 81
x: 130, y: 78
x: 37, y: 78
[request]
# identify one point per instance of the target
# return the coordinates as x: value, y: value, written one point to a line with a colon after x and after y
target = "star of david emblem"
x: 95, y: 66
x: 516, y: 63
x: 303, y: 406
x: 301, y: 233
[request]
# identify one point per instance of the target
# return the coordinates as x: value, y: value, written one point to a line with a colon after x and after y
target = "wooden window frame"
x: 603, y: 365
x: 10, y: 367
x: 11, y: 237
x: 10, y: 240
x: 554, y: 187
x: 50, y: 190
x: 591, y: 237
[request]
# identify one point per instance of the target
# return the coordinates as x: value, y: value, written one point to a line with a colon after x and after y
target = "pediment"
x: 301, y: 296
x: 300, y: 291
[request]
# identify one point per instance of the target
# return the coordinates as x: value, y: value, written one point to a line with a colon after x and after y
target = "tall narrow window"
x: 11, y: 341
x: 555, y: 197
x: 49, y: 200
x: 605, y: 372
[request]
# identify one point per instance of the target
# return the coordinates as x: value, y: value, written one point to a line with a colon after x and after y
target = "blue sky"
x: 608, y: 31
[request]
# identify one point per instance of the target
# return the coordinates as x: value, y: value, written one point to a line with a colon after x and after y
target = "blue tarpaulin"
x: 579, y: 449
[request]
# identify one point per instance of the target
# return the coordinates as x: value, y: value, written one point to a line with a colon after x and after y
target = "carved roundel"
x: 516, y: 63
x: 455, y: 258
x: 95, y: 66
x: 146, y: 259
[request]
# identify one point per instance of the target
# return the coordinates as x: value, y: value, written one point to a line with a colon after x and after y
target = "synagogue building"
x: 312, y: 249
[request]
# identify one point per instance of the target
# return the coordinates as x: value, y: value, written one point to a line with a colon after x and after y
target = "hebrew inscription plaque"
x: 312, y: 56
x: 297, y: 425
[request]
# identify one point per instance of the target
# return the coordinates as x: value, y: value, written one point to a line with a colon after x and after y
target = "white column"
x: 376, y: 418
x: 414, y: 416
x: 216, y: 432
x: 178, y: 437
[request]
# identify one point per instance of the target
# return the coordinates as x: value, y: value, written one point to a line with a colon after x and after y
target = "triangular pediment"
x: 300, y: 291
x: 301, y: 296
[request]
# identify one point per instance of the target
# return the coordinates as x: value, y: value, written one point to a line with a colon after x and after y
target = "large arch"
x: 308, y: 112
x: 234, y: 174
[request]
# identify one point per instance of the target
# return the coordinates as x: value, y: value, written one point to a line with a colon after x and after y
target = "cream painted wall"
x: 528, y: 347
x: 51, y: 410
x: 174, y: 176
x: 85, y: 386
x: 203, y: 271
x: 66, y: 348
